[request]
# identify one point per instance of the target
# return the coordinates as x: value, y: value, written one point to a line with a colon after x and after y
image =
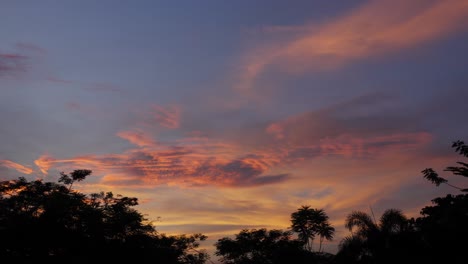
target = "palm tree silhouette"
x: 325, y: 231
x: 369, y: 239
x: 308, y: 223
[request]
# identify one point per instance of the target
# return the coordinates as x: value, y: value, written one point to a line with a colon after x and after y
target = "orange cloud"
x: 137, y: 137
x: 376, y: 28
x: 342, y: 130
x: 16, y: 166
x: 207, y: 162
x: 168, y: 116
x: 190, y: 162
x: 46, y: 162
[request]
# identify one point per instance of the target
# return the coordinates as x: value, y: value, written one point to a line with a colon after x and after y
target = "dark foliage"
x: 45, y: 220
x: 51, y: 221
x: 438, y: 236
x: 444, y: 229
x: 392, y: 239
x: 309, y: 223
x: 261, y: 246
x: 432, y: 176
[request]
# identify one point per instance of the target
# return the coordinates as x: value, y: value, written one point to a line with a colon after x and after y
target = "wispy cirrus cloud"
x: 190, y: 162
x: 176, y: 166
x: 20, y: 59
x: 376, y: 28
x: 46, y: 162
x: 137, y: 137
x: 12, y: 64
x: 55, y: 79
x: 348, y: 130
x: 30, y: 48
x: 360, y: 116
x: 103, y: 87
x: 356, y: 128
x: 88, y: 86
x: 167, y: 116
x: 16, y: 166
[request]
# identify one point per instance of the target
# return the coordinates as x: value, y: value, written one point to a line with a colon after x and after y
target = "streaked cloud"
x: 137, y: 137
x: 187, y: 163
x: 16, y: 166
x: 45, y: 162
x: 361, y: 116
x: 179, y: 166
x: 12, y: 64
x: 162, y: 122
x: 55, y: 79
x: 103, y: 87
x: 88, y: 86
x: 30, y: 48
x: 352, y: 129
x: 167, y: 116
x: 374, y: 29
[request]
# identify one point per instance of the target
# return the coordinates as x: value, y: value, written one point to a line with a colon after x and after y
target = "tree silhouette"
x: 432, y: 176
x: 262, y: 246
x: 444, y: 228
x: 308, y: 223
x: 371, y: 241
x: 50, y: 220
x: 75, y: 176
x: 444, y: 225
x: 325, y: 231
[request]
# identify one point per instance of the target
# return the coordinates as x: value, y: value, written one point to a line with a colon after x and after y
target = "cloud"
x: 16, y: 166
x: 357, y: 128
x: 58, y: 80
x: 205, y: 165
x: 137, y: 137
x: 376, y: 28
x: 74, y: 106
x: 30, y: 48
x: 190, y: 165
x: 206, y: 229
x: 88, y: 86
x: 353, y: 129
x: 12, y: 64
x: 168, y: 116
x: 360, y: 116
x: 46, y: 162
x: 103, y: 87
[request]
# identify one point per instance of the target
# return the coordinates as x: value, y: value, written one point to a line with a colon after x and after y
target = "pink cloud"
x: 168, y: 116
x: 207, y: 162
x: 343, y: 130
x: 12, y: 64
x: 103, y: 87
x: 30, y: 47
x: 55, y: 79
x: 46, y: 162
x: 89, y: 86
x: 16, y: 166
x: 74, y: 106
x: 191, y: 162
x: 87, y: 110
x: 199, y: 160
x: 137, y: 137
x: 376, y: 28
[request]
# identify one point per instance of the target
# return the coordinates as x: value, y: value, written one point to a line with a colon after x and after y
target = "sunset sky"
x: 223, y: 115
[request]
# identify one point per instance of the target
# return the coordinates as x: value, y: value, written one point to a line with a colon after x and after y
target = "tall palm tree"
x: 369, y: 239
x: 325, y: 231
x: 308, y: 223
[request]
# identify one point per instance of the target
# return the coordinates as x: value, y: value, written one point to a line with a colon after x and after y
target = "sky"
x: 224, y: 115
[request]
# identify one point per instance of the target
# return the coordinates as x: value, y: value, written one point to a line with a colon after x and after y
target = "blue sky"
x: 251, y: 109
